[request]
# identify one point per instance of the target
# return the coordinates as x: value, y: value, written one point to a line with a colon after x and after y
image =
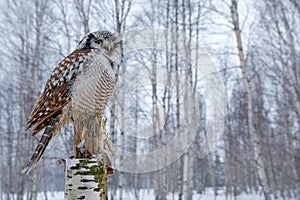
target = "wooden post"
x: 86, y: 174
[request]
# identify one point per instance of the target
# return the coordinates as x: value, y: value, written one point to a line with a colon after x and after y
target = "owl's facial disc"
x: 107, y: 41
x: 102, y: 40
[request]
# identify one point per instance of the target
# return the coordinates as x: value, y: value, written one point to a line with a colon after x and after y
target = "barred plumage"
x: 82, y: 83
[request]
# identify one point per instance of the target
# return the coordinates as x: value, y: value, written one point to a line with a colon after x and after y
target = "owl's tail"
x: 43, y: 143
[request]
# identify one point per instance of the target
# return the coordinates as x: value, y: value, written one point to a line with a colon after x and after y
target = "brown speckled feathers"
x: 48, y: 111
x: 57, y: 91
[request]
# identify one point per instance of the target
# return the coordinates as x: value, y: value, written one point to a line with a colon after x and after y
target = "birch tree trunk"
x: 86, y: 179
x: 9, y: 150
x: 86, y: 176
x: 254, y: 136
x: 1, y: 154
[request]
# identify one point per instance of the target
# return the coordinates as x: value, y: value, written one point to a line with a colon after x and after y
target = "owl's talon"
x: 80, y: 146
x: 61, y: 161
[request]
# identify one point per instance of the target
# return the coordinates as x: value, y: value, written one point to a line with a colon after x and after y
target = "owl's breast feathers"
x: 57, y: 92
x: 95, y: 86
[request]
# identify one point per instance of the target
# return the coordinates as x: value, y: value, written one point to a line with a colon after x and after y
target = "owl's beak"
x: 109, y: 46
x: 117, y: 39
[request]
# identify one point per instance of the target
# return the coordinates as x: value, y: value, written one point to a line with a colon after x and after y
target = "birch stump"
x: 86, y: 174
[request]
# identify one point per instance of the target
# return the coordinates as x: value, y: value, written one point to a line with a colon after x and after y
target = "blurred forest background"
x: 254, y: 45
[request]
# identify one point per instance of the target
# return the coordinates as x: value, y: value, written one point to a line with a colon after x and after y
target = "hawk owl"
x: 82, y: 83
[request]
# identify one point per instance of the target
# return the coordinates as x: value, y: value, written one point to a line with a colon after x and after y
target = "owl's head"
x: 102, y: 40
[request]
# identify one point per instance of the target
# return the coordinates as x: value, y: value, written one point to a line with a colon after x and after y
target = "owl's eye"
x: 99, y: 41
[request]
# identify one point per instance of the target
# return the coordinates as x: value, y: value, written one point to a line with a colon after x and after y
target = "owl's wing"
x: 57, y: 91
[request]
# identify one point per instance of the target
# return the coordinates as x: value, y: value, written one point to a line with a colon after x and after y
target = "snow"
x: 52, y: 196
x: 149, y: 195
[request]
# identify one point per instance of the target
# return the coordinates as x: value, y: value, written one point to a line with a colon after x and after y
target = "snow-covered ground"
x: 149, y: 195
